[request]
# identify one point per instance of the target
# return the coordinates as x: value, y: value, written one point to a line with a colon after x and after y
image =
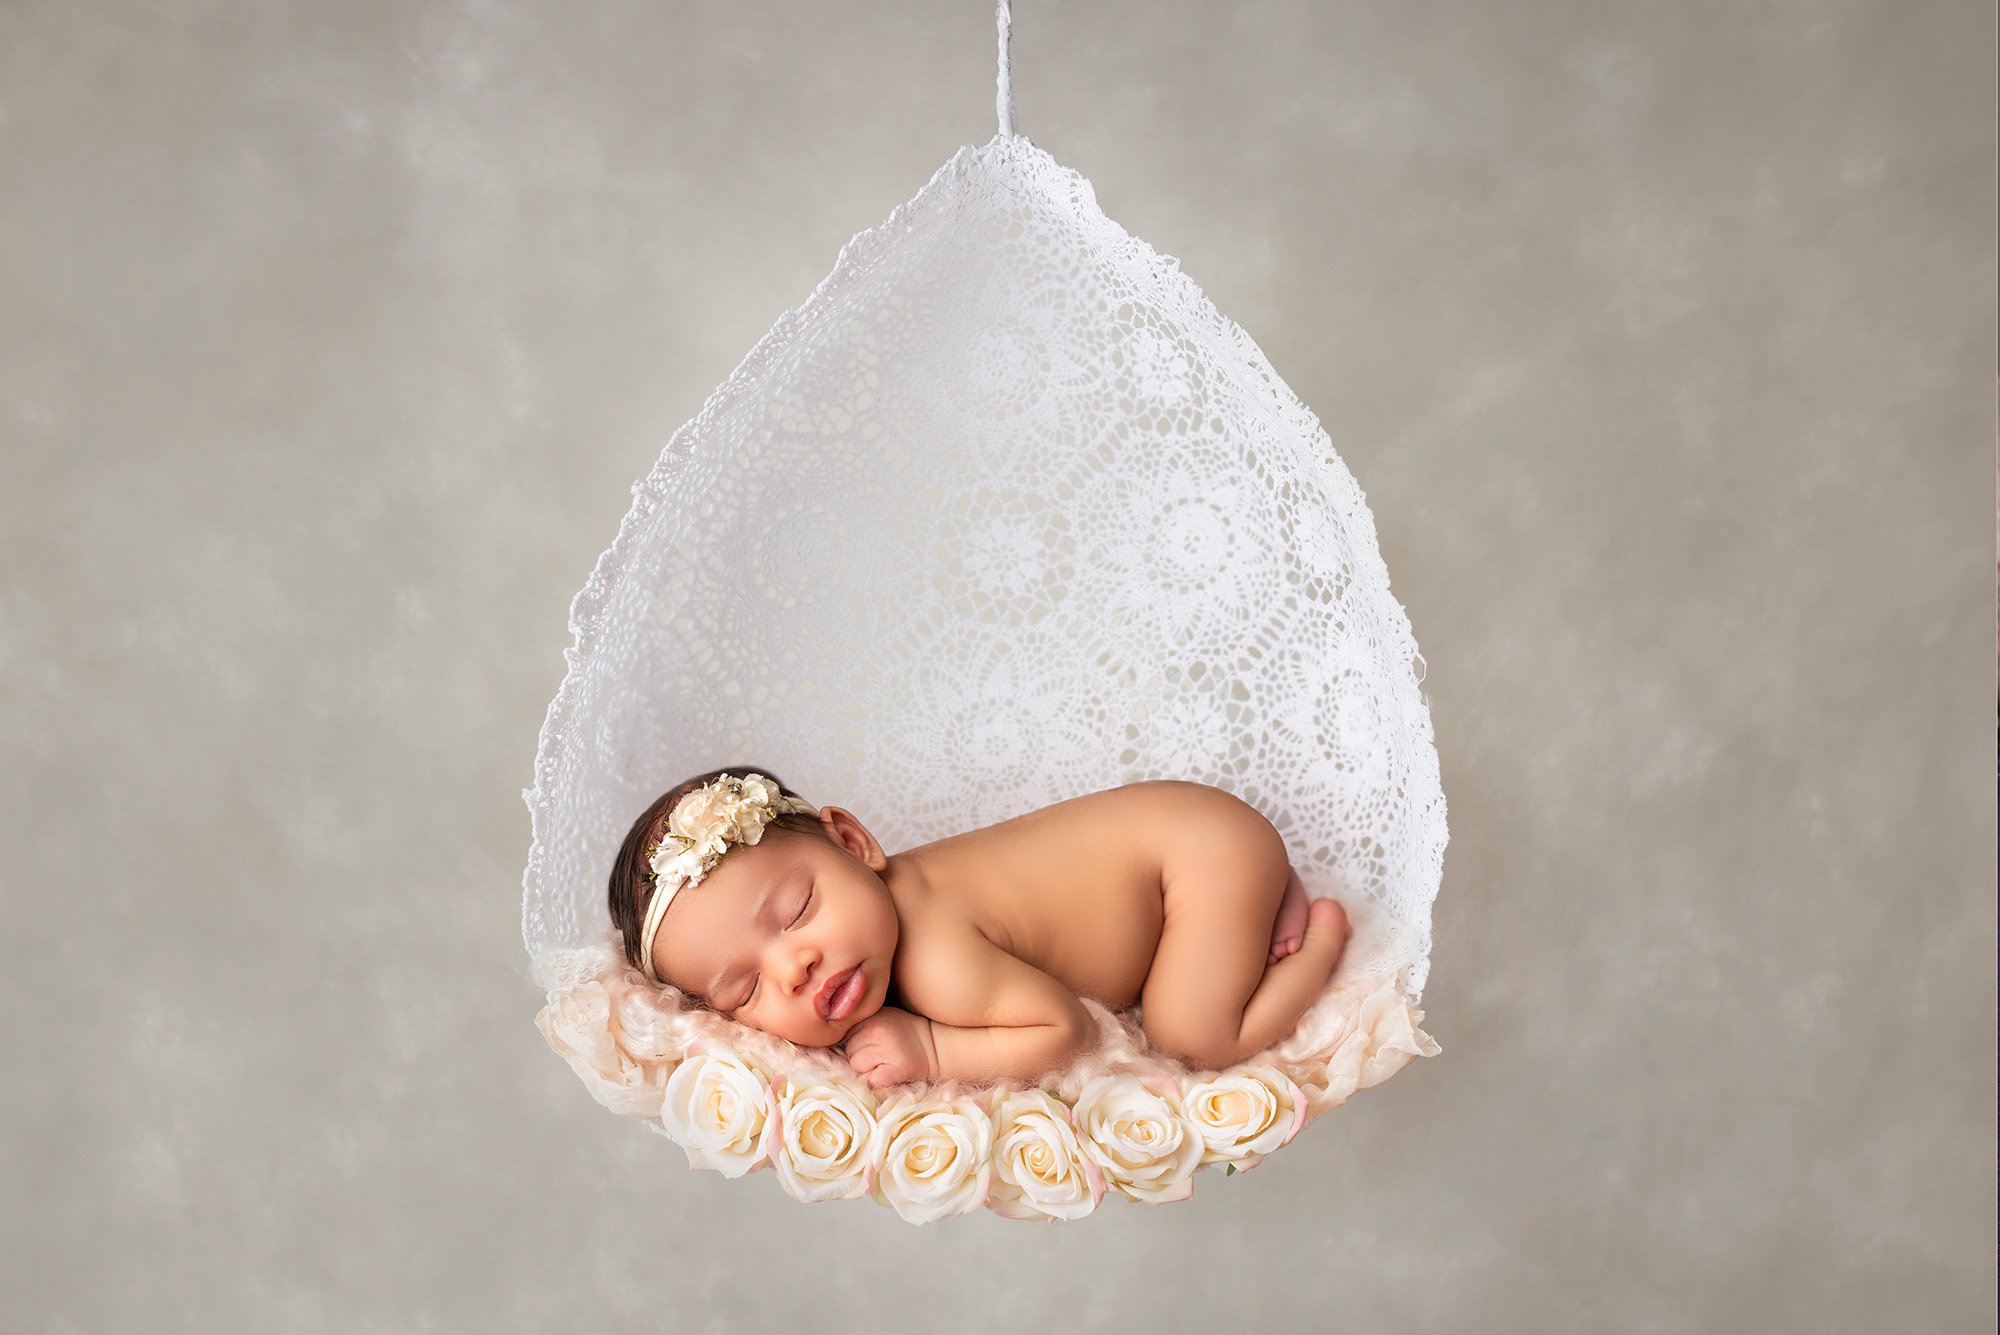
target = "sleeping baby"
x: 965, y: 959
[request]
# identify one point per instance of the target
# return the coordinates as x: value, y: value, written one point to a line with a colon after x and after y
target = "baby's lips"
x: 830, y: 990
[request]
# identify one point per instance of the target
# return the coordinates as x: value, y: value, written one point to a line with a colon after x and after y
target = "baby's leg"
x: 1212, y: 998
x: 1290, y: 928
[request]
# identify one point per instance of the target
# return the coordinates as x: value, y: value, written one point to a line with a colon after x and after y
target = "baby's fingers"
x: 875, y: 1070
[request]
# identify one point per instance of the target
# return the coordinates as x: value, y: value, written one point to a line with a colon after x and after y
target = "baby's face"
x: 791, y: 935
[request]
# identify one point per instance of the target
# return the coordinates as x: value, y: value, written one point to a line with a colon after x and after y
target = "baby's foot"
x: 1328, y: 916
x: 1288, y: 933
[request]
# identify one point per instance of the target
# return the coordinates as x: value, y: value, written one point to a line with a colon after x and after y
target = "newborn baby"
x: 964, y: 959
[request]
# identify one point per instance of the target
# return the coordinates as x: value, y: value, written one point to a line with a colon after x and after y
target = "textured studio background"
x: 1661, y: 337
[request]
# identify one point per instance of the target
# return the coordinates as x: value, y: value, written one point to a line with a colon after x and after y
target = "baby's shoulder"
x: 937, y: 921
x: 946, y: 961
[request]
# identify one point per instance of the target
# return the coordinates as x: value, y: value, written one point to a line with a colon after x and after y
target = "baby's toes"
x: 1289, y: 930
x: 1329, y: 917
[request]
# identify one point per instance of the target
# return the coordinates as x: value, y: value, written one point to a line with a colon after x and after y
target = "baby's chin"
x: 830, y: 1035
x: 867, y: 1008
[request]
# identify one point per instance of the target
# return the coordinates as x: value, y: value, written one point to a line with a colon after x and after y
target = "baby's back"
x: 1080, y: 890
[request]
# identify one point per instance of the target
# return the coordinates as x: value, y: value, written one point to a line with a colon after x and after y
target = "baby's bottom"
x: 1219, y: 989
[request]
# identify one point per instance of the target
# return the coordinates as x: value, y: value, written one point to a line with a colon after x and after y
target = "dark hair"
x: 631, y: 887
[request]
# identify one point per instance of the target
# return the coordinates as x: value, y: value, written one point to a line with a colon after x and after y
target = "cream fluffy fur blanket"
x: 624, y: 1036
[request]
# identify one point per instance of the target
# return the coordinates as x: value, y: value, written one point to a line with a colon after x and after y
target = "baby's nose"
x: 802, y: 965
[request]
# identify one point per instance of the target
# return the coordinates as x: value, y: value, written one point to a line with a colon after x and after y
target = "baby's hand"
x: 892, y: 1046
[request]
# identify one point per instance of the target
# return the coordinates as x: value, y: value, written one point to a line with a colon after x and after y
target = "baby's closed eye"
x: 757, y: 979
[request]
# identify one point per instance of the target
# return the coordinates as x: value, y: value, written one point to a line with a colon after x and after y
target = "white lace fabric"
x: 1005, y: 513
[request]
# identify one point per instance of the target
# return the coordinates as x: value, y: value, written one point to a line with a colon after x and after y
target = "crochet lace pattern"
x: 1006, y: 512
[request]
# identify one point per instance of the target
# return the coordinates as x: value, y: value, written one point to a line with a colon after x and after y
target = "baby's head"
x: 792, y: 933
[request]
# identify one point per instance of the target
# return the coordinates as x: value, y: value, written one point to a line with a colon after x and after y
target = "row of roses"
x: 1023, y: 1153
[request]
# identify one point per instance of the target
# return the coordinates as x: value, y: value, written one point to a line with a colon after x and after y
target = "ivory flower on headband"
x: 699, y: 831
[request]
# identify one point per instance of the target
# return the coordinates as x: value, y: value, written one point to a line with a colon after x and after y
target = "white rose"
x: 577, y: 1024
x: 1039, y: 1170
x: 819, y: 1135
x: 1136, y: 1134
x: 1244, y: 1116
x: 717, y: 1107
x: 932, y: 1158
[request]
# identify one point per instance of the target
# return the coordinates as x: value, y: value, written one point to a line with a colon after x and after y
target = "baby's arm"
x: 1000, y: 1018
x: 991, y: 1017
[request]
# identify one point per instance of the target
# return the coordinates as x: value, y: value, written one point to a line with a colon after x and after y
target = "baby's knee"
x: 1203, y: 1046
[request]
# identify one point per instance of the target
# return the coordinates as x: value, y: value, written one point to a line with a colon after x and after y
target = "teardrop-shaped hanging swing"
x: 1005, y: 513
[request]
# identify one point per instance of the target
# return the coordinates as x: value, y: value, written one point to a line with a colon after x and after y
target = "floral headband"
x: 699, y: 831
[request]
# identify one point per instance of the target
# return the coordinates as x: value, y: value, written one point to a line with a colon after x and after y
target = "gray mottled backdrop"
x: 1662, y: 339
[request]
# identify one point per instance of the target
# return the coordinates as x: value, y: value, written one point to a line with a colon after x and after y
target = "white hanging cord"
x: 1004, y: 103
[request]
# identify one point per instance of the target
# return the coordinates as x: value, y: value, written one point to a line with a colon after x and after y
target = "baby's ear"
x: 845, y: 828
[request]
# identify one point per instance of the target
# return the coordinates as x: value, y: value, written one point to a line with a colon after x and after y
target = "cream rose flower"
x: 1243, y: 1116
x: 1134, y: 1131
x: 1039, y: 1170
x: 819, y: 1136
x: 577, y: 1024
x: 717, y: 1108
x: 933, y: 1158
x: 699, y: 815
